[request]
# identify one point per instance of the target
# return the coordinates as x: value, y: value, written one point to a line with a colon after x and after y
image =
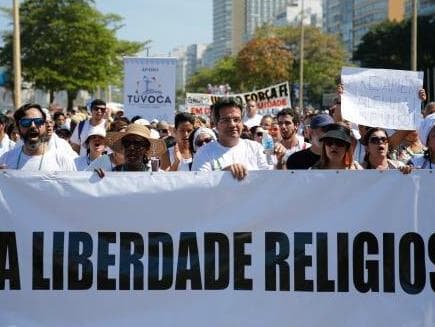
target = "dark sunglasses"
x: 134, y: 144
x: 103, y: 109
x: 202, y: 142
x: 378, y: 140
x: 259, y: 134
x: 163, y: 131
x: 331, y: 142
x: 27, y: 122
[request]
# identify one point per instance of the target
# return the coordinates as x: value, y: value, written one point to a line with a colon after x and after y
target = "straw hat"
x: 157, y: 148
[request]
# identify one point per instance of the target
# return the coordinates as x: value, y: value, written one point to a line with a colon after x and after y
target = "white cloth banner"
x: 149, y: 88
x: 269, y: 100
x: 382, y: 97
x: 201, y: 249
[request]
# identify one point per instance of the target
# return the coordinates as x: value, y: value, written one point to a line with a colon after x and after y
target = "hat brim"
x: 113, y: 141
x: 336, y: 134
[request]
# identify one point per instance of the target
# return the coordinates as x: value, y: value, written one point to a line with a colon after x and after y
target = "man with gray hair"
x: 230, y: 152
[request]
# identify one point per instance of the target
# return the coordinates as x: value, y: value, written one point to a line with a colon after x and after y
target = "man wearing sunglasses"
x: 80, y: 134
x: 34, y: 154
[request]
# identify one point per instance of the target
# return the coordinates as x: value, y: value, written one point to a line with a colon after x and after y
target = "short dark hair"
x: 97, y: 102
x: 57, y: 114
x: 21, y: 111
x: 225, y: 103
x: 290, y: 112
x: 183, y: 117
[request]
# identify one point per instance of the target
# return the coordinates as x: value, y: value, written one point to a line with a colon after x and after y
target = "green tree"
x: 324, y: 56
x: 264, y: 61
x: 69, y: 45
x: 272, y: 56
x: 387, y: 45
x: 224, y: 72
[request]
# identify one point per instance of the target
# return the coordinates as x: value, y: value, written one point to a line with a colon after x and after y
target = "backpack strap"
x: 80, y: 129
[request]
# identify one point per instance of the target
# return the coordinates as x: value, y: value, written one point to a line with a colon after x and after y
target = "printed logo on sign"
x: 148, y: 91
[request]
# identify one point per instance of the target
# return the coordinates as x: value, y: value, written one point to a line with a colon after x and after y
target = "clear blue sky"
x: 168, y: 23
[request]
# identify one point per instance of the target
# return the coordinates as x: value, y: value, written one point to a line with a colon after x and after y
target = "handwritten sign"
x: 382, y: 97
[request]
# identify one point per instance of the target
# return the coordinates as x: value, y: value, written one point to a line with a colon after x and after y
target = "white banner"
x: 201, y: 249
x: 382, y: 97
x: 269, y: 100
x: 149, y: 88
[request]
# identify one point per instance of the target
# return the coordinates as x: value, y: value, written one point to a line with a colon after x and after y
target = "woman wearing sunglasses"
x: 138, y: 147
x: 377, y: 149
x: 199, y: 137
x: 337, y: 150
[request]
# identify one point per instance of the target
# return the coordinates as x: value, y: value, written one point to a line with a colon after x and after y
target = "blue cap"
x: 321, y: 120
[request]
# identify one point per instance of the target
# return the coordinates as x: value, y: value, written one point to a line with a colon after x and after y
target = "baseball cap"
x: 321, y: 120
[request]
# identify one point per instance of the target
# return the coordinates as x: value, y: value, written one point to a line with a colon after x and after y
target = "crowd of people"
x: 234, y: 138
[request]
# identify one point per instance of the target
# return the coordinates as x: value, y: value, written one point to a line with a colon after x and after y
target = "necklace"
x: 40, y: 162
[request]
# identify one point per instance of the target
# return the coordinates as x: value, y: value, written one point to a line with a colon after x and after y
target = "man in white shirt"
x: 251, y: 118
x: 80, y: 134
x: 55, y: 142
x: 34, y: 154
x: 230, y: 152
x: 6, y: 143
x: 291, y: 142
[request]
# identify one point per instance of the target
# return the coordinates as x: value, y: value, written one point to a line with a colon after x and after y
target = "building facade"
x: 291, y: 13
x: 352, y: 19
x: 425, y: 8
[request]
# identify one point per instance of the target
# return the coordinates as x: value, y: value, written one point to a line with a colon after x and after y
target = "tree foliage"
x: 224, y: 72
x: 387, y: 45
x: 272, y: 56
x: 69, y: 45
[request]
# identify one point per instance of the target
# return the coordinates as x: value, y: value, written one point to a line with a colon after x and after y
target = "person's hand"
x: 422, y: 95
x: 279, y: 151
x: 405, y: 170
x: 238, y: 171
x: 100, y: 172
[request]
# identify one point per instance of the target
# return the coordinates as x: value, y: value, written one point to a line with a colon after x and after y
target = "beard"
x: 33, y: 138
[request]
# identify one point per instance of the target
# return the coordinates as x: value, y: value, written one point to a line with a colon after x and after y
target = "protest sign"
x: 382, y: 97
x: 203, y: 249
x: 269, y: 100
x: 149, y: 88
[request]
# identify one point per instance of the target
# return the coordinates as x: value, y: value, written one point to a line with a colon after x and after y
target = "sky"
x: 167, y: 23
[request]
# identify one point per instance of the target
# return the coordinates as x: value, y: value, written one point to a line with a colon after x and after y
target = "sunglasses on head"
x: 27, y: 122
x: 134, y: 143
x: 202, y: 142
x: 378, y: 140
x: 336, y: 142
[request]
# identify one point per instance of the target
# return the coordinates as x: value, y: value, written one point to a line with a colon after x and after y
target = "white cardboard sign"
x: 382, y: 97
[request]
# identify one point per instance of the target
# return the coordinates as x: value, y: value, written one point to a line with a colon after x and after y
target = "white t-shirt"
x: 6, y: 144
x: 79, y: 139
x: 301, y: 145
x: 214, y: 156
x: 59, y: 144
x: 184, y: 163
x: 49, y: 161
x: 103, y: 162
x: 82, y: 162
x: 254, y: 121
x: 421, y: 162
